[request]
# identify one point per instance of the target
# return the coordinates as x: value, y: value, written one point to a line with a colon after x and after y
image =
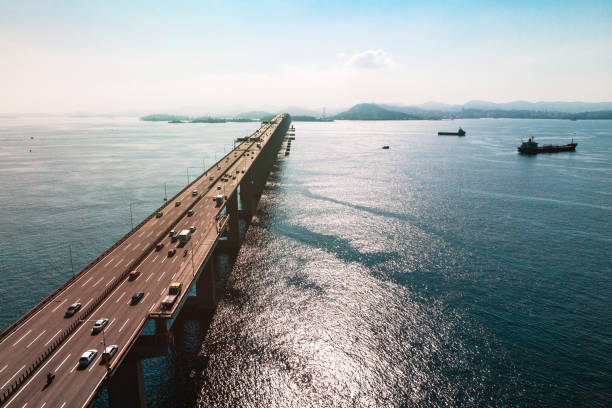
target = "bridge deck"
x: 24, y: 344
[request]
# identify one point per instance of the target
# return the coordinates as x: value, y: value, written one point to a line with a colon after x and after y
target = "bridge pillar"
x: 161, y: 325
x: 233, y: 235
x: 247, y: 197
x: 126, y: 387
x: 206, y: 297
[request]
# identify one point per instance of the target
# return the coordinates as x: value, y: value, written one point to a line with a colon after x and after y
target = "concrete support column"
x: 233, y: 235
x: 246, y: 198
x: 206, y: 296
x: 126, y: 387
x: 161, y: 325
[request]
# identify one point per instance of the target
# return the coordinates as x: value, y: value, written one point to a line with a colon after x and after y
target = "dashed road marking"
x: 57, y: 307
x: 53, y: 337
x: 123, y: 325
x: 22, y: 337
x: 11, y: 379
x: 117, y: 301
x: 37, y: 337
x: 96, y: 284
x: 62, y: 363
x: 86, y: 282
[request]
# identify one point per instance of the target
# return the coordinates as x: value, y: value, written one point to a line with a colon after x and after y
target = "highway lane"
x: 116, y: 305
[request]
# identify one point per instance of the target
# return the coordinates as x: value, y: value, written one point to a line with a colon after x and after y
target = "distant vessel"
x: 531, y: 147
x: 386, y: 147
x: 459, y: 132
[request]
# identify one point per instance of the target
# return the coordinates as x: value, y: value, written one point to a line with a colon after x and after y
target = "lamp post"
x: 131, y: 218
x: 71, y: 263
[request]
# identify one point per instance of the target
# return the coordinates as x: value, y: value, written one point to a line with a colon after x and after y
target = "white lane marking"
x: 109, y: 261
x: 37, y: 337
x: 99, y: 280
x: 56, y: 354
x: 155, y: 259
x: 173, y: 275
x: 121, y: 260
x: 123, y: 325
x: 62, y: 363
x: 136, y: 246
x: 88, y: 280
x: 149, y: 277
x: 90, y: 300
x: 149, y: 234
x: 162, y: 292
x: 11, y: 379
x: 128, y: 263
x: 93, y: 363
x: 117, y: 301
x: 22, y: 337
x: 64, y: 404
x: 140, y: 235
x: 161, y: 276
x: 43, y: 405
x: 57, y: 307
x: 152, y: 306
x: 25, y: 405
x: 174, y: 260
x: 164, y: 260
x: 127, y: 246
x: 74, y: 368
x: 108, y: 325
x: 53, y: 337
x: 3, y: 368
x: 110, y: 281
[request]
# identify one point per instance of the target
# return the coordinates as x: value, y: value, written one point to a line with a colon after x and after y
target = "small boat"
x: 531, y: 147
x: 385, y: 147
x: 459, y: 132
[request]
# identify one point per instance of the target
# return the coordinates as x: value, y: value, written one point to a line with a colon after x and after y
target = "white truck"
x: 173, y: 292
x: 184, y: 236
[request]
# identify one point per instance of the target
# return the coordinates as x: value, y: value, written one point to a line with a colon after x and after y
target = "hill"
x: 370, y: 111
x: 162, y: 117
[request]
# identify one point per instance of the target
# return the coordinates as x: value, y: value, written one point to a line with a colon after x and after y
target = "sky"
x: 215, y: 56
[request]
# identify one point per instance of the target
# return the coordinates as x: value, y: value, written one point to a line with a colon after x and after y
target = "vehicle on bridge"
x: 184, y: 236
x: 177, y: 203
x: 136, y: 297
x: 99, y: 325
x: 159, y: 246
x: 72, y: 309
x: 190, y: 213
x: 194, y: 193
x: 171, y: 252
x: 173, y: 291
x: 159, y: 214
x: 134, y: 274
x: 87, y: 358
x: 218, y: 199
x: 109, y: 352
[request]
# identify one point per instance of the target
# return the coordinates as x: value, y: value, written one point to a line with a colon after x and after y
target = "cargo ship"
x: 459, y: 132
x: 531, y: 147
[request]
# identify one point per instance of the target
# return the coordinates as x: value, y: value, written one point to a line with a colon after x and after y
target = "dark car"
x: 72, y: 309
x: 171, y: 252
x: 136, y: 297
x: 134, y: 274
x: 159, y: 214
x: 159, y: 246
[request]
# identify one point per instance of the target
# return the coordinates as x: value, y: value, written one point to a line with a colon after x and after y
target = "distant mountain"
x: 370, y: 111
x: 162, y: 117
x: 297, y: 111
x: 254, y: 115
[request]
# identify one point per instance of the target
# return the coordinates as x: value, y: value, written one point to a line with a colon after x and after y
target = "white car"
x: 109, y: 352
x: 99, y: 325
x: 87, y: 358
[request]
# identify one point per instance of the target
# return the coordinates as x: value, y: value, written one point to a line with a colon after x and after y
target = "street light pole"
x: 71, y: 263
x: 131, y: 218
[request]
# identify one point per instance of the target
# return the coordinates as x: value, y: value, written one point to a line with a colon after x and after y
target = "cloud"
x: 370, y: 59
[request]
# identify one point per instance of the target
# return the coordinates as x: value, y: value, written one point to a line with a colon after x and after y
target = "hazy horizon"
x: 220, y: 57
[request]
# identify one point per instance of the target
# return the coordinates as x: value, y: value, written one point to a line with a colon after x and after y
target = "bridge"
x: 45, y: 341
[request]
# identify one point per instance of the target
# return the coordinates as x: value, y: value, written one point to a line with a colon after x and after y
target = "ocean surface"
x: 444, y: 272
